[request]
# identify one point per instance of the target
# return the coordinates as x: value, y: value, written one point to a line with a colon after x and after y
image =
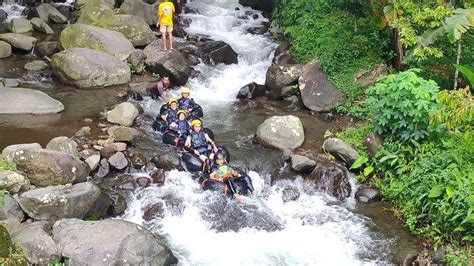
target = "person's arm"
x: 208, y: 139
x: 187, y: 143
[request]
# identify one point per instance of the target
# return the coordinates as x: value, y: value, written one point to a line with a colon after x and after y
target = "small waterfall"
x: 13, y: 9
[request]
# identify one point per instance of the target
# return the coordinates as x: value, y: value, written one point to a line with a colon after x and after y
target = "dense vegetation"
x: 425, y: 166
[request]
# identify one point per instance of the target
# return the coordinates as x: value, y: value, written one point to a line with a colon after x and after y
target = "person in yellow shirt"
x: 165, y: 21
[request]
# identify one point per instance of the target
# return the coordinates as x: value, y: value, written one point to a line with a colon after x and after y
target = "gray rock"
x: 12, y: 182
x: 86, y: 68
x: 279, y: 77
x: 281, y: 132
x: 170, y: 62
x: 136, y: 60
x: 302, y: 164
x: 46, y: 167
x: 10, y: 83
x: 317, y: 93
x: 107, y: 151
x: 9, y: 208
x: 104, y: 168
x: 123, y: 114
x: 9, y: 151
x: 373, y: 142
x: 57, y: 18
x: 340, y: 150
x: 109, y: 242
x: 27, y: 101
x: 216, y: 52
x: 3, y: 15
x: 5, y: 49
x: 126, y: 134
x: 57, y: 202
x: 140, y: 9
x: 251, y: 91
x: 104, y: 40
x: 93, y: 161
x: 46, y: 49
x: 118, y: 161
x: 135, y: 29
x: 36, y: 65
x: 263, y: 5
x: 332, y: 178
x: 44, y: 11
x: 19, y: 41
x: 20, y: 25
x: 63, y: 144
x: 41, y: 26
x: 367, y: 195
x: 119, y: 146
x: 167, y: 161
x: 38, y: 246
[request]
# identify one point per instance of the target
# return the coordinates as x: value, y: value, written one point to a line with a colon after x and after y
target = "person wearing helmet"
x: 181, y: 125
x: 171, y: 114
x: 185, y: 102
x: 198, y: 141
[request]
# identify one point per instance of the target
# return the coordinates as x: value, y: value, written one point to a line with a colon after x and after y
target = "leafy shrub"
x: 5, y: 165
x: 402, y: 105
x: 455, y: 110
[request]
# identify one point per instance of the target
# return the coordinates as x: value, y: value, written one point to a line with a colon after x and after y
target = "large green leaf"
x: 459, y: 23
x: 467, y: 72
x: 435, y: 191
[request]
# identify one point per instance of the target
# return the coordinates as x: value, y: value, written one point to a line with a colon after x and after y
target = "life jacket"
x: 198, y: 141
x: 183, y: 127
x: 172, y: 116
x: 224, y: 171
x: 186, y: 103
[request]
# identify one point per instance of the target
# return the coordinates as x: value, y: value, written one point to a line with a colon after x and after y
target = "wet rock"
x: 123, y: 114
x: 257, y: 30
x: 139, y: 9
x: 86, y: 68
x: 63, y: 144
x: 137, y: 160
x: 281, y: 132
x: 340, y: 150
x: 57, y: 18
x: 9, y: 208
x: 3, y: 15
x: 279, y: 77
x: 154, y: 211
x: 38, y: 246
x: 367, y: 195
x: 119, y: 146
x: 48, y: 12
x: 20, y: 25
x: 126, y: 134
x: 167, y: 161
x: 116, y: 241
x: 171, y: 62
x: 104, y: 168
x: 179, y: 32
x: 5, y: 49
x: 143, y: 181
x: 107, y: 152
x: 19, y: 41
x: 302, y: 164
x: 251, y: 91
x: 9, y: 83
x: 158, y: 177
x: 373, y: 142
x: 84, y: 154
x: 93, y: 162
x: 41, y: 26
x: 104, y: 40
x: 317, y: 93
x: 13, y: 182
x: 46, y: 49
x: 36, y: 65
x: 83, y: 132
x: 284, y: 58
x: 331, y: 178
x: 263, y: 5
x: 189, y: 10
x: 138, y: 90
x: 9, y: 151
x: 118, y: 161
x: 46, y: 167
x: 290, y: 193
x: 216, y: 52
x: 27, y: 101
x: 56, y: 202
x: 100, y: 209
x: 136, y: 60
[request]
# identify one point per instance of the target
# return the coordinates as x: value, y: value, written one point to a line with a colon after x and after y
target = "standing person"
x: 161, y: 88
x: 165, y: 17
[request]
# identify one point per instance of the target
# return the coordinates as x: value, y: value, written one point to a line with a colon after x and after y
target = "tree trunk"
x: 458, y: 60
x: 397, y: 61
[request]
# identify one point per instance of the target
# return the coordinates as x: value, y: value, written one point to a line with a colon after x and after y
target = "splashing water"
x: 206, y: 229
x: 12, y: 9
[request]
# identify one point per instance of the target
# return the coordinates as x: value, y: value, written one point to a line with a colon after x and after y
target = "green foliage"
x: 402, y: 105
x: 5, y: 165
x: 468, y: 72
x: 455, y: 110
x: 458, y: 256
x: 354, y: 137
x: 10, y: 254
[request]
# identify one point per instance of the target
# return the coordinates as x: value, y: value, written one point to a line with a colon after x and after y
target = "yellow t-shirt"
x: 165, y: 13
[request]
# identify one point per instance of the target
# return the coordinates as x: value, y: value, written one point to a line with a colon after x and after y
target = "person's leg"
x: 170, y: 34
x: 163, y: 37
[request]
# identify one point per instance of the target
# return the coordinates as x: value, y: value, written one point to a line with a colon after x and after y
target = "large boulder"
x: 5, y: 49
x: 215, y: 52
x: 302, y: 164
x: 9, y: 151
x: 85, y: 36
x: 263, y: 5
x: 79, y: 4
x: 27, y: 101
x: 48, y: 12
x: 46, y: 49
x: 332, y: 178
x: 281, y: 132
x: 279, y: 77
x: 136, y: 60
x: 20, y: 25
x: 56, y: 202
x: 12, y: 181
x: 9, y: 208
x: 46, y: 167
x: 317, y: 93
x: 63, y: 144
x: 170, y: 62
x: 38, y: 246
x: 109, y: 242
x: 86, y: 68
x: 19, y: 41
x: 123, y: 114
x: 340, y: 150
x: 41, y: 26
x: 139, y: 9
x: 251, y: 91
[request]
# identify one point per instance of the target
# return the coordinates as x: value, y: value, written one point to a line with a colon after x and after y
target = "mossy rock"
x: 5, y: 242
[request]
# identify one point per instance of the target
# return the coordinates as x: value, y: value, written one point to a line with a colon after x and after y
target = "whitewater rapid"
x: 318, y: 230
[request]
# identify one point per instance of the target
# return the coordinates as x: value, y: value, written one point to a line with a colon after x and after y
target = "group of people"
x: 177, y: 116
